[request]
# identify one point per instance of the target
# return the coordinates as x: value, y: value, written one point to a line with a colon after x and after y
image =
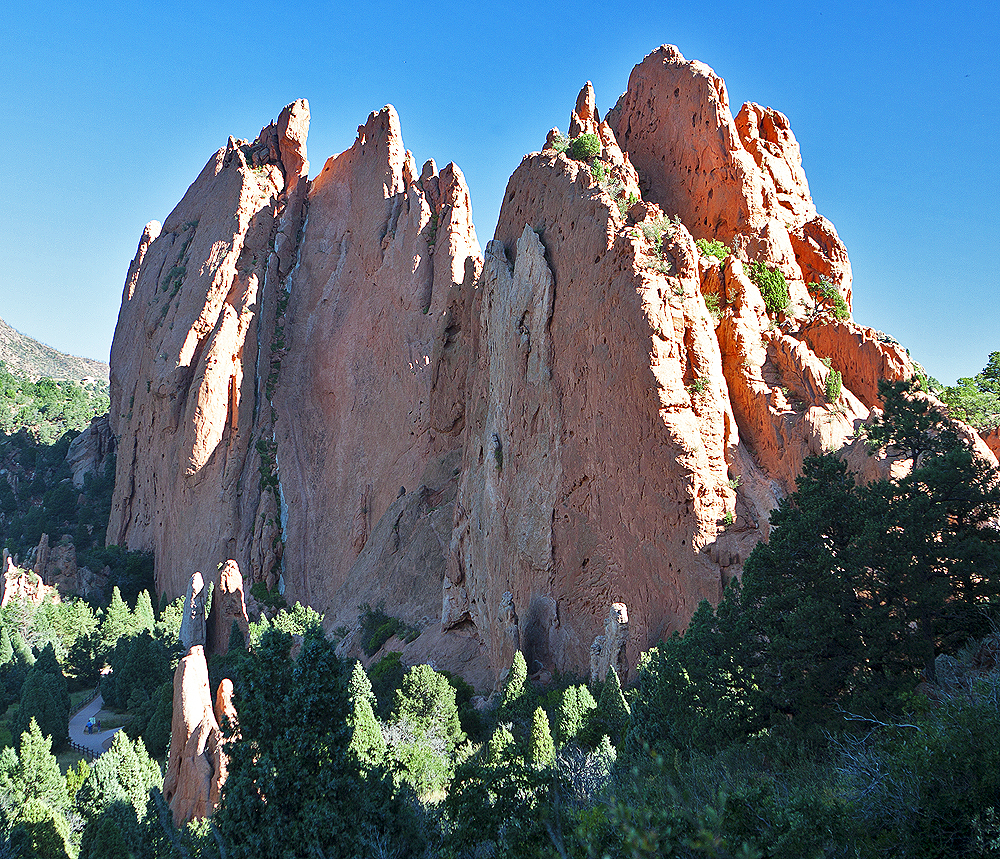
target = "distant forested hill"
x: 20, y: 352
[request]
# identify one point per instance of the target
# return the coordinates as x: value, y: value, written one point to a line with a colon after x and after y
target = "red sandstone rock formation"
x: 195, y: 768
x: 89, y: 451
x: 228, y: 607
x: 191, y: 353
x: 17, y: 584
x: 325, y: 382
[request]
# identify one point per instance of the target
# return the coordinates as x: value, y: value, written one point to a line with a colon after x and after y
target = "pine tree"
x: 541, y: 749
x: 22, y: 653
x: 44, y: 698
x: 118, y: 622
x: 514, y: 697
x: 125, y: 773
x: 41, y: 832
x: 31, y: 773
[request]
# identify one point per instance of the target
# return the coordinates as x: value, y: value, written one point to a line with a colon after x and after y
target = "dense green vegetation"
x: 47, y: 408
x: 976, y: 400
x: 772, y: 286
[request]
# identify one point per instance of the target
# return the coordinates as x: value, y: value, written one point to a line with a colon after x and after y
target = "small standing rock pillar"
x: 228, y: 607
x: 609, y: 649
x: 510, y: 635
x: 196, y: 768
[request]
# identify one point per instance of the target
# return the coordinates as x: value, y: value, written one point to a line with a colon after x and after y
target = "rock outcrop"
x: 88, y: 453
x: 17, y: 584
x: 56, y: 565
x: 325, y: 383
x: 196, y: 767
x: 228, y: 607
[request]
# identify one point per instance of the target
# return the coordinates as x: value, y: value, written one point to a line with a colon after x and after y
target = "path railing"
x: 89, y: 754
x: 87, y: 700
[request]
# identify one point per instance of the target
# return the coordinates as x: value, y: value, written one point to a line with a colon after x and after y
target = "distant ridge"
x: 20, y: 352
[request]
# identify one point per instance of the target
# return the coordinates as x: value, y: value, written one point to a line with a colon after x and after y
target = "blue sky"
x: 112, y: 111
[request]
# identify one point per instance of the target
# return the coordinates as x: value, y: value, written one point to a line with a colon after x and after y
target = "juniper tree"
x: 367, y: 745
x: 575, y: 703
x: 541, y: 749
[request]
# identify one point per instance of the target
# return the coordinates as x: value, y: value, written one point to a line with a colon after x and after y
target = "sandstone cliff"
x: 328, y: 383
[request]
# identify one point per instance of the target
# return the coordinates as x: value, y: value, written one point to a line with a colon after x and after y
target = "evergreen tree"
x: 367, y: 744
x: 514, y: 700
x: 6, y: 648
x: 45, y: 699
x: 292, y: 788
x: 613, y: 712
x: 425, y: 729
x: 698, y: 690
x: 541, y: 749
x: 571, y: 713
x: 41, y: 832
x: 22, y: 653
x: 30, y: 773
x: 118, y: 622
x: 125, y: 773
x: 143, y: 619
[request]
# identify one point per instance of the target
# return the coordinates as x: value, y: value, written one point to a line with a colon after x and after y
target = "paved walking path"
x: 96, y: 743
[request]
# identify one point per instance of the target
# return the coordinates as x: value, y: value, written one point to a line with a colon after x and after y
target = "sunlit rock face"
x: 327, y: 382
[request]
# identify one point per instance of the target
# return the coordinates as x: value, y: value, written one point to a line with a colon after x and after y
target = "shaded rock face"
x: 325, y: 383
x: 191, y: 356
x: 228, y: 607
x: 371, y: 390
x: 56, y: 565
x: 89, y: 451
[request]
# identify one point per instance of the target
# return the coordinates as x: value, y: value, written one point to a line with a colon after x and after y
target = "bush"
x: 377, y: 628
x: 585, y: 147
x: 834, y: 383
x: 712, y: 248
x: 772, y: 286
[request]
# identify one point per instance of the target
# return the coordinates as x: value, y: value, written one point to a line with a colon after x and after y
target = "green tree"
x: 292, y: 788
x: 31, y: 773
x: 514, y: 699
x: 425, y: 729
x: 367, y: 745
x: 611, y: 718
x: 976, y: 399
x: 6, y: 648
x: 44, y: 698
x: 541, y: 749
x: 144, y: 619
x: 698, y: 690
x: 125, y: 773
x: 118, y: 622
x: 40, y: 832
x: 575, y: 703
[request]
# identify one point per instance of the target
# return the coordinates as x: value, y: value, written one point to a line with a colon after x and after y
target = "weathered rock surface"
x: 325, y: 383
x: 191, y: 355
x: 195, y: 768
x: 228, y: 607
x: 17, y: 584
x: 56, y: 565
x: 371, y: 392
x: 992, y: 439
x: 89, y: 451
